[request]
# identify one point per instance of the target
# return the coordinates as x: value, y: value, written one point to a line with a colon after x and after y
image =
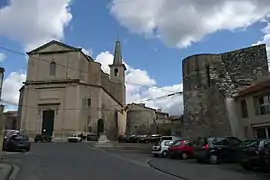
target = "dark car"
x: 253, y: 155
x: 17, y: 142
x: 216, y: 149
x: 92, y: 137
x: 42, y: 138
x: 133, y: 138
x: 143, y: 138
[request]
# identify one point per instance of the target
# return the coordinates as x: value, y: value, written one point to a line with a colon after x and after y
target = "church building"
x: 66, y: 93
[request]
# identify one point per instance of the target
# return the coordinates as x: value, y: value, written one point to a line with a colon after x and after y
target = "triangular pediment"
x: 53, y: 46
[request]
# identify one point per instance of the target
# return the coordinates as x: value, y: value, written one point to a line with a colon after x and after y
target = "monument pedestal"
x: 103, y: 141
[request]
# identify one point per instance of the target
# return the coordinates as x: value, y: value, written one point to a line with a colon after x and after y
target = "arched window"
x: 116, y: 72
x: 52, y: 68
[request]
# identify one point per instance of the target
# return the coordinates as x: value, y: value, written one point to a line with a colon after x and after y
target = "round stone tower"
x: 204, y: 106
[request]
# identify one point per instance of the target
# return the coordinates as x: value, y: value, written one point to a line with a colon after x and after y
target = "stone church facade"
x: 66, y: 92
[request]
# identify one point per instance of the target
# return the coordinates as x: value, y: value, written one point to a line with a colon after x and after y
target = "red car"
x: 181, y: 149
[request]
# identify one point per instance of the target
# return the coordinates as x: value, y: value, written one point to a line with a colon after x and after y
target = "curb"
x: 164, y: 171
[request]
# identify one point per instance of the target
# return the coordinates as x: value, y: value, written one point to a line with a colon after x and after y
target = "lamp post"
x: 2, y: 124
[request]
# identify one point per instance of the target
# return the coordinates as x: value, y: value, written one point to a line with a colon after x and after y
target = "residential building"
x: 210, y: 82
x: 66, y: 92
x: 162, y: 117
x: 253, y: 110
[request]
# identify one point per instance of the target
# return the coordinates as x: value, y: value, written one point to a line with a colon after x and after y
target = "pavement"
x: 69, y: 161
x: 5, y: 170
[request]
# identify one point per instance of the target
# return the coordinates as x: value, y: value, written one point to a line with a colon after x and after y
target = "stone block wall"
x: 208, y: 79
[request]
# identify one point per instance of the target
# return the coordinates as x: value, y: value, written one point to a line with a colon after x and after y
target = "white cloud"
x: 88, y: 52
x: 183, y: 22
x: 11, y: 85
x: 140, y: 86
x: 266, y: 38
x: 2, y: 57
x: 34, y: 22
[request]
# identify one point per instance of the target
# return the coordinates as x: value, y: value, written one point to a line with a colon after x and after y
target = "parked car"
x: 92, y: 137
x: 9, y: 132
x: 42, y: 138
x: 253, y: 155
x: 154, y: 138
x: 143, y: 138
x: 74, y: 139
x: 17, y: 142
x: 181, y: 149
x: 132, y: 138
x: 216, y: 149
x: 169, y: 138
x: 161, y: 148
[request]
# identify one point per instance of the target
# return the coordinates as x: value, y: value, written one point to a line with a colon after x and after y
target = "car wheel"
x: 164, y: 154
x: 213, y: 158
x: 184, y: 156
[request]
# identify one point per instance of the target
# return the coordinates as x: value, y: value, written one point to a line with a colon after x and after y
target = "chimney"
x: 158, y: 110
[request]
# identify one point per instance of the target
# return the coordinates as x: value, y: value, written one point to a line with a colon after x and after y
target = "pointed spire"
x: 117, y: 53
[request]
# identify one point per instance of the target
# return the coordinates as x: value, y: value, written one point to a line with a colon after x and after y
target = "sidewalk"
x: 191, y: 170
x: 5, y: 171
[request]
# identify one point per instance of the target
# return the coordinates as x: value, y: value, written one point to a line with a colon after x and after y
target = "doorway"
x: 47, y: 122
x: 100, y: 126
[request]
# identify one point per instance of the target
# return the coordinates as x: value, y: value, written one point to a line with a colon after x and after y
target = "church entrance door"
x: 100, y: 126
x: 47, y: 122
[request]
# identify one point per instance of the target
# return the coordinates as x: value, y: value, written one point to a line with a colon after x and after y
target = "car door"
x: 221, y: 148
x: 233, y: 148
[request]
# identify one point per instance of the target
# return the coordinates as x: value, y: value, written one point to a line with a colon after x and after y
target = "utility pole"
x: 2, y: 122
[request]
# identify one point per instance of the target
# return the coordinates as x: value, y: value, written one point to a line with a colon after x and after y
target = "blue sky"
x: 95, y: 25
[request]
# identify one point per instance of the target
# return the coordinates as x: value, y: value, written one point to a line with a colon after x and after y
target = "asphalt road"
x: 59, y: 161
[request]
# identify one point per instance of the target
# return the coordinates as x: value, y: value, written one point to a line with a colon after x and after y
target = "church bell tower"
x: 117, y: 73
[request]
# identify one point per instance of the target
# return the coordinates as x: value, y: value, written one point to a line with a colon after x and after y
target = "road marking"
x: 15, y: 171
x: 163, y: 171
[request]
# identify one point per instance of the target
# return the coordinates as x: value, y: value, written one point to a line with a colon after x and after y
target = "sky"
x: 156, y: 35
